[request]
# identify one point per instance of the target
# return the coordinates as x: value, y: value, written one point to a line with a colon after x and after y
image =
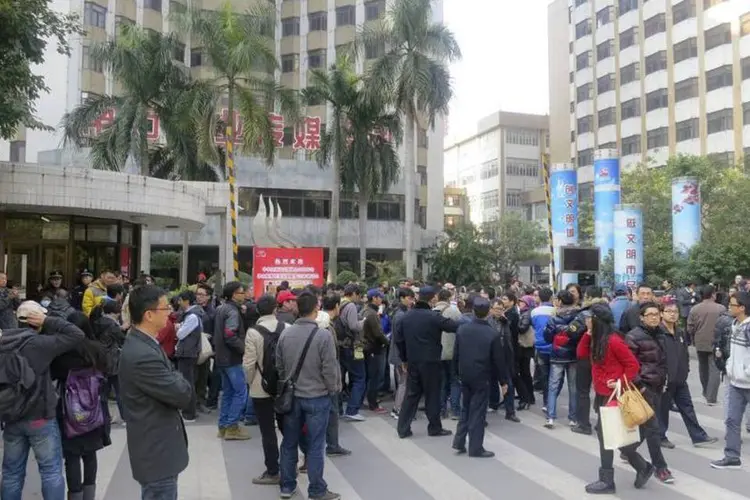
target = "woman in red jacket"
x: 611, y: 360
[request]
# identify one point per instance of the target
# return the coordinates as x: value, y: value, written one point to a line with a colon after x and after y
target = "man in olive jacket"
x: 153, y: 393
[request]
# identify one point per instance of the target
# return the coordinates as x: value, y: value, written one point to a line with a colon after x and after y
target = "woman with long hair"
x: 81, y: 449
x: 611, y: 361
x: 105, y: 322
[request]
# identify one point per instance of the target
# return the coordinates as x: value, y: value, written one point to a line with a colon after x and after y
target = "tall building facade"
x: 308, y: 35
x: 651, y: 78
x: 499, y: 163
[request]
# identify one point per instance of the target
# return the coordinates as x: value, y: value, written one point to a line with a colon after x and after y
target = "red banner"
x: 298, y: 266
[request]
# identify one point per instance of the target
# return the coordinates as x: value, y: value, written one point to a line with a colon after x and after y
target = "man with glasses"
x: 678, y: 367
x: 738, y: 372
x: 229, y: 344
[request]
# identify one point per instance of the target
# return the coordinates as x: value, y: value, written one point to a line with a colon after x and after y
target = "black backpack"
x: 269, y: 376
x: 17, y: 378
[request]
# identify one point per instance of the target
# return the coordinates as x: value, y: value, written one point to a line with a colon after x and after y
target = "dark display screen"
x: 580, y: 260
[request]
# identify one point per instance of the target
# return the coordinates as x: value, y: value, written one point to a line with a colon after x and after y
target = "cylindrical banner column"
x: 606, y: 198
x: 564, y: 208
x: 628, y: 245
x: 686, y: 214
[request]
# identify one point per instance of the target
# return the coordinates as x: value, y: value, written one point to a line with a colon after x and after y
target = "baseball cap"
x: 28, y: 307
x: 621, y: 289
x: 284, y: 296
x: 374, y: 292
x: 481, y: 305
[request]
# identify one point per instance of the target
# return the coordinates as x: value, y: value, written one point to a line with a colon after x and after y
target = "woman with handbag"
x: 612, y: 363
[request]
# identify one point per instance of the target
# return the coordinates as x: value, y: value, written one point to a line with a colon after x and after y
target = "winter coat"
x: 394, y: 356
x: 648, y: 347
x: 229, y: 335
x: 374, y: 340
x: 722, y: 336
x: 678, y: 358
x: 448, y: 339
x: 563, y: 335
x: 8, y: 307
x: 539, y: 318
x: 618, y: 306
x: 60, y: 308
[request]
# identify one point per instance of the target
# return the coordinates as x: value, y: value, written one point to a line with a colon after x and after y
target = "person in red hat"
x: 287, y: 312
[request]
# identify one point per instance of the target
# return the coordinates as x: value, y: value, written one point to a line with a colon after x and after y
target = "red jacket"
x: 583, y: 350
x: 618, y: 361
x: 167, y: 336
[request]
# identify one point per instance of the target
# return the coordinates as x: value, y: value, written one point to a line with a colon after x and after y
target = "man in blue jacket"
x: 620, y: 303
x: 478, y: 356
x: 540, y: 315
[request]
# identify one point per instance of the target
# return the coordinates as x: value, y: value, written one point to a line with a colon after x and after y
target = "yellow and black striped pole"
x: 232, y: 195
x: 548, y: 200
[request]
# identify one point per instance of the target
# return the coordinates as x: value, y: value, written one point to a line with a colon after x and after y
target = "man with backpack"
x: 28, y: 399
x: 259, y: 363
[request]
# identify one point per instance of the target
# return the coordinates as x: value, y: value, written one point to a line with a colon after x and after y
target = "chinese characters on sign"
x: 298, y: 266
x: 628, y: 245
x: 570, y: 212
x: 631, y: 254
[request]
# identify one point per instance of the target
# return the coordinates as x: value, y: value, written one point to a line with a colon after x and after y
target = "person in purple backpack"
x: 88, y: 362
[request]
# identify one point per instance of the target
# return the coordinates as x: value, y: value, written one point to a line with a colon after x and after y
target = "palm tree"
x: 414, y: 72
x: 338, y: 88
x: 371, y: 163
x: 152, y: 82
x: 241, y: 50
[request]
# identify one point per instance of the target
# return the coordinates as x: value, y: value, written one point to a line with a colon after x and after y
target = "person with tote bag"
x: 612, y: 365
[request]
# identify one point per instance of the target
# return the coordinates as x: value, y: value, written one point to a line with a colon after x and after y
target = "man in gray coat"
x: 153, y: 393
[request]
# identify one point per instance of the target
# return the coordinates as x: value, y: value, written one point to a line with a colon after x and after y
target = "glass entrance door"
x: 22, y: 264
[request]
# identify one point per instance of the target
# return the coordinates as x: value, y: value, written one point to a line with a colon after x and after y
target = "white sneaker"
x: 355, y: 418
x: 572, y: 423
x: 550, y: 423
x: 394, y: 414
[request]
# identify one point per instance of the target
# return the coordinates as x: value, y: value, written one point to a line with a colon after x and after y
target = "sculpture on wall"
x: 266, y: 227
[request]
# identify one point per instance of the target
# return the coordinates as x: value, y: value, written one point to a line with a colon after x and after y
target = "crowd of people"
x: 301, y: 361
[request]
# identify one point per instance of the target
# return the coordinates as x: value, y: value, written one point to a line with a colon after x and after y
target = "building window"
x: 604, y: 16
x: 583, y: 60
x: 606, y: 117
x: 488, y: 170
x: 687, y: 129
x: 707, y: 4
x: 521, y: 168
x: 718, y: 78
x: 89, y: 63
x: 585, y: 157
x: 605, y: 83
x: 605, y: 50
x: 581, y: 2
x: 422, y: 174
x: 629, y: 73
x: 318, y: 21
x: 290, y: 26
x: 572, y: 106
x: 583, y: 28
x: 522, y: 137
x: 94, y: 15
x: 583, y: 93
x: 585, y: 124
x: 289, y: 63
x: 628, y: 38
x: 346, y: 16
x: 18, y: 151
x: 422, y: 141
x: 745, y: 24
x: 608, y: 145
x: 179, y: 52
x: 572, y: 136
x: 719, y: 121
x: 719, y: 35
x: 373, y: 51
x: 745, y: 64
x: 656, y: 62
x: 683, y: 11
x: 626, y: 6
x: 746, y: 113
x: 657, y: 99
x: 196, y: 58
x: 658, y: 138
x: 152, y: 4
x: 654, y: 25
x: 631, y: 108
x: 631, y: 145
x: 686, y: 49
x: 374, y: 10
x: 570, y: 47
x: 490, y: 199
x: 572, y: 77
x: 686, y: 89
x: 316, y: 59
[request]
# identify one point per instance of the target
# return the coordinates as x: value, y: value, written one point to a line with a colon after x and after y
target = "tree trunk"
x: 409, y: 195
x: 362, y: 234
x: 333, y: 232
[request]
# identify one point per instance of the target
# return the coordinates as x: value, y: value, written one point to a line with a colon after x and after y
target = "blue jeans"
x: 233, y: 395
x: 451, y: 389
x: 557, y: 373
x: 163, y: 489
x: 314, y: 412
x: 356, y: 370
x: 42, y: 436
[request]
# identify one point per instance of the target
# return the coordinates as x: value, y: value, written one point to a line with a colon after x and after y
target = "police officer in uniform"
x: 479, y: 358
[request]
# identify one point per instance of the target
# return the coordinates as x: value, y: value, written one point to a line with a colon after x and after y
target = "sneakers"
x: 579, y: 429
x: 394, y: 414
x: 706, y: 442
x: 550, y: 423
x: 665, y: 476
x: 727, y: 463
x: 188, y: 420
x: 357, y: 417
x: 221, y: 432
x: 338, y: 452
x: 379, y: 410
x: 236, y: 433
x: 666, y: 443
x: 572, y: 423
x: 267, y: 479
x: 328, y: 495
x: 642, y: 476
x: 288, y: 494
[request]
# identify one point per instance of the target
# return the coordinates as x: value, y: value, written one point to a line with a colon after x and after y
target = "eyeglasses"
x: 651, y: 315
x: 670, y: 311
x: 161, y: 309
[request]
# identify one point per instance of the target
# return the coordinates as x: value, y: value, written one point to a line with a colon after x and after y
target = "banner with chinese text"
x: 628, y: 245
x: 298, y: 266
x: 606, y: 197
x: 564, y: 206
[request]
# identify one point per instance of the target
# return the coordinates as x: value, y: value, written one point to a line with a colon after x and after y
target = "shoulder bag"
x: 285, y: 395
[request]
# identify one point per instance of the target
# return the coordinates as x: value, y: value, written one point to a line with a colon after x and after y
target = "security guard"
x: 479, y: 357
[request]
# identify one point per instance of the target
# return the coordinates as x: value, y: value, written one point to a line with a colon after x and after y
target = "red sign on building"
x: 298, y: 266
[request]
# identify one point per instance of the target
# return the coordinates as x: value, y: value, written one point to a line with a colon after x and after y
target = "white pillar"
x: 145, y: 251
x: 184, y: 259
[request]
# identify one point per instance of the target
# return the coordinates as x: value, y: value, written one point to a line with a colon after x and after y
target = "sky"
x: 504, y: 65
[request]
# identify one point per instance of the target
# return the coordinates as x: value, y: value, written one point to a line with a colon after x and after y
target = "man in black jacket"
x: 419, y: 343
x: 153, y: 393
x: 189, y: 343
x: 40, y: 339
x: 479, y: 358
x: 631, y: 318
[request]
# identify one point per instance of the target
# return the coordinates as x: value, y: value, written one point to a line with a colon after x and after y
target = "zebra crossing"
x: 530, y: 461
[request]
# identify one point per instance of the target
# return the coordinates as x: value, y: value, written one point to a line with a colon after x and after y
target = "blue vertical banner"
x: 686, y: 214
x: 564, y: 207
x: 606, y: 198
x: 628, y: 245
